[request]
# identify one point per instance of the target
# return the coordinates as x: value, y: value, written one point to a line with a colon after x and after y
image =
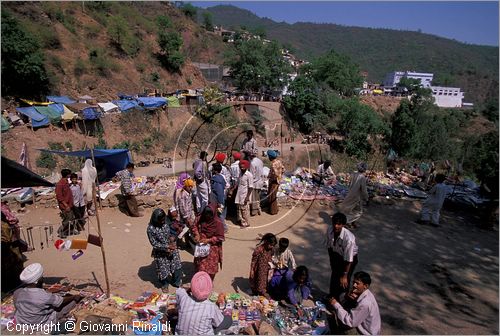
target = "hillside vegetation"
x: 379, y: 51
x: 102, y: 48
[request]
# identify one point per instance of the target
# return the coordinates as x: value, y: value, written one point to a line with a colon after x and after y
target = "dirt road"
x: 427, y: 280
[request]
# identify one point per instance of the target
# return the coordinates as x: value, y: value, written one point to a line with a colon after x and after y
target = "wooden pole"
x: 281, y: 138
x: 84, y: 127
x: 96, y: 181
x: 102, y: 246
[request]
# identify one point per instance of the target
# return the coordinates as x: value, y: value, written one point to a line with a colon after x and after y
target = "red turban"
x: 236, y: 155
x: 245, y: 164
x: 220, y: 157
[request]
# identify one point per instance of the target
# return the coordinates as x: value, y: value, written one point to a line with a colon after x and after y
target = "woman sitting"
x: 291, y: 286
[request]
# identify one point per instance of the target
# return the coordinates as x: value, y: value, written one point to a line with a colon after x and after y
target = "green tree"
x: 258, y: 67
x: 403, y: 128
x: 411, y: 84
x: 302, y: 103
x: 189, y: 10
x: 23, y: 68
x: 122, y: 37
x: 208, y: 21
x: 338, y: 71
x: 163, y: 22
x: 170, y: 43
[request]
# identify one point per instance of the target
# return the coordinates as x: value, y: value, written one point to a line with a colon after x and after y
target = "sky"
x: 473, y: 22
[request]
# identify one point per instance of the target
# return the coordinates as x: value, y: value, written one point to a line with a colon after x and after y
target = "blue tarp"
x: 125, y: 96
x: 37, y: 119
x: 60, y: 99
x: 125, y: 105
x: 91, y: 113
x: 152, y: 102
x: 59, y: 108
x: 108, y: 161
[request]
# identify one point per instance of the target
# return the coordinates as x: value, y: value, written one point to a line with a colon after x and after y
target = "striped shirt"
x: 184, y: 204
x: 196, y: 318
x: 76, y: 190
x: 235, y: 173
x: 285, y: 259
x: 126, y: 179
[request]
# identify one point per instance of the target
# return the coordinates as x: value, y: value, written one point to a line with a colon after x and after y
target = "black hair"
x: 207, y: 213
x: 363, y: 277
x: 65, y: 172
x: 327, y: 163
x: 250, y: 132
x: 130, y: 165
x: 268, y: 238
x: 203, y: 155
x: 440, y: 178
x: 73, y: 175
x: 284, y: 242
x: 300, y: 271
x: 158, y: 217
x: 339, y: 218
x: 217, y: 167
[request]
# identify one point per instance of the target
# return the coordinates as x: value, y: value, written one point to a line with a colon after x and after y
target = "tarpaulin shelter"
x: 152, y: 102
x: 126, y: 105
x: 36, y: 119
x: 108, y: 107
x: 52, y: 114
x: 61, y: 99
x: 31, y: 102
x: 88, y: 112
x: 173, y: 102
x: 5, y: 124
x: 15, y: 175
x: 113, y: 160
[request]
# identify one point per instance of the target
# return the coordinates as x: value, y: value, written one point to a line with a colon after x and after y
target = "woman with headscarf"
x: 259, y: 267
x: 209, y: 230
x: 165, y: 252
x: 352, y: 205
x: 179, y: 185
x: 89, y: 175
x: 292, y: 286
x: 275, y: 175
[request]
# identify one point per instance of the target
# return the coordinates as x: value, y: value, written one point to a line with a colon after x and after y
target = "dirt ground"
x: 427, y: 280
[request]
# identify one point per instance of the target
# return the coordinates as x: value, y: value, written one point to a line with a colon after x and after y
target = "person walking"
x: 275, y: 175
x: 352, y: 206
x: 257, y: 170
x: 245, y: 186
x: 89, y: 175
x: 202, y: 180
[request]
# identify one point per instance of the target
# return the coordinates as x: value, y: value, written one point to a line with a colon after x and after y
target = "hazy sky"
x: 474, y: 22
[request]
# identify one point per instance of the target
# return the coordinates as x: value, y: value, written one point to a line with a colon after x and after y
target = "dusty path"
x: 427, y: 280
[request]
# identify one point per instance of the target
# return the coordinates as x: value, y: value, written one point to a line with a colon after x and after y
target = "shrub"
x: 189, y: 10
x: 101, y: 62
x: 101, y: 143
x: 46, y: 160
x: 122, y: 145
x: 122, y: 37
x: 163, y: 22
x: 56, y: 146
x: 56, y: 63
x: 68, y: 145
x: 155, y: 76
x: 140, y: 67
x: 80, y: 67
x: 92, y: 31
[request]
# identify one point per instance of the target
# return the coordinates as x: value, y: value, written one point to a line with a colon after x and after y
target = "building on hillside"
x: 447, y: 96
x: 211, y: 72
x: 393, y: 78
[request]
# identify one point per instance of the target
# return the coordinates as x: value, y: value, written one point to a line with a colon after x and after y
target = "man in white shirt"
x: 363, y: 314
x: 245, y: 186
x: 343, y: 253
x: 256, y: 168
x: 324, y: 172
x: 249, y: 145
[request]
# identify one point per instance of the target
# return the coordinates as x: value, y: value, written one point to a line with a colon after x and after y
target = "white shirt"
x: 246, y: 181
x: 322, y: 172
x: 365, y: 316
x: 256, y: 168
x: 437, y: 194
x: 345, y: 244
x: 235, y: 172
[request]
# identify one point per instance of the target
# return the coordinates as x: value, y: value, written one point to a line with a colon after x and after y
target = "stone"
x: 113, y: 201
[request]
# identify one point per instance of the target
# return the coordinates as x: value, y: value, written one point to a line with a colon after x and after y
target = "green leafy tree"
x: 302, y: 103
x: 411, y: 84
x: 403, y: 128
x: 122, y: 37
x: 163, y: 22
x: 208, y: 21
x: 23, y: 69
x: 189, y: 10
x: 338, y: 71
x: 170, y: 43
x: 258, y: 67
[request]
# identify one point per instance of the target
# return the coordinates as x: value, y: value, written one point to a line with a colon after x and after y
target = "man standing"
x: 249, y: 145
x: 184, y: 203
x: 245, y: 186
x: 256, y: 168
x: 235, y: 169
x: 202, y: 181
x: 343, y: 253
x: 275, y: 175
x: 364, y: 316
x: 79, y: 203
x: 65, y: 201
x: 125, y: 176
x: 218, y: 195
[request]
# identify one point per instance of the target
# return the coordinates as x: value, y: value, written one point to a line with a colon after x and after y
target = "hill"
x: 474, y: 68
x: 78, y: 42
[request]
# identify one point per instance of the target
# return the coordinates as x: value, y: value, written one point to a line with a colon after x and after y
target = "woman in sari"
x: 209, y: 230
x: 165, y: 252
x: 89, y: 175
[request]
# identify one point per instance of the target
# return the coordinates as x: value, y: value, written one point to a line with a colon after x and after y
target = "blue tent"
x: 125, y: 105
x: 37, y: 119
x: 108, y: 161
x: 60, y: 99
x: 152, y: 102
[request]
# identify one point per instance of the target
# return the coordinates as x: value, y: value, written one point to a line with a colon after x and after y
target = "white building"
x: 393, y: 78
x: 447, y: 96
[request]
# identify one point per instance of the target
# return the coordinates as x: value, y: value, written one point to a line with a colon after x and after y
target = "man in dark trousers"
x: 125, y: 176
x: 65, y: 201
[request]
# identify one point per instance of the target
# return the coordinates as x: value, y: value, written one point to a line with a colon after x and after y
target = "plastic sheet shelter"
x: 126, y: 105
x: 5, y: 124
x: 173, y: 102
x: 61, y: 99
x: 53, y: 115
x: 15, y: 175
x: 152, y: 103
x: 110, y: 160
x: 36, y: 119
x: 87, y: 112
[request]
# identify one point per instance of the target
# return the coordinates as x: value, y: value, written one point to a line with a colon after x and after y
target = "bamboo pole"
x: 281, y: 139
x: 102, y: 246
x: 96, y: 181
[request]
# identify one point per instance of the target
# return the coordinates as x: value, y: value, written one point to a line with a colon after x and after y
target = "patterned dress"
x: 214, y: 232
x: 260, y: 268
x: 166, y: 263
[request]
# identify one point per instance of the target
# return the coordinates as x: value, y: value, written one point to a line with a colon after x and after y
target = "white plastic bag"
x: 201, y: 250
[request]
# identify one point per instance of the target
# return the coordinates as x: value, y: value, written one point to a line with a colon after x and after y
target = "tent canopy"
x: 5, y: 124
x: 152, y: 102
x: 88, y: 111
x: 60, y: 99
x: 126, y: 105
x: 53, y: 115
x: 15, y: 175
x: 107, y: 106
x: 37, y: 119
x: 108, y: 161
x: 173, y: 101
